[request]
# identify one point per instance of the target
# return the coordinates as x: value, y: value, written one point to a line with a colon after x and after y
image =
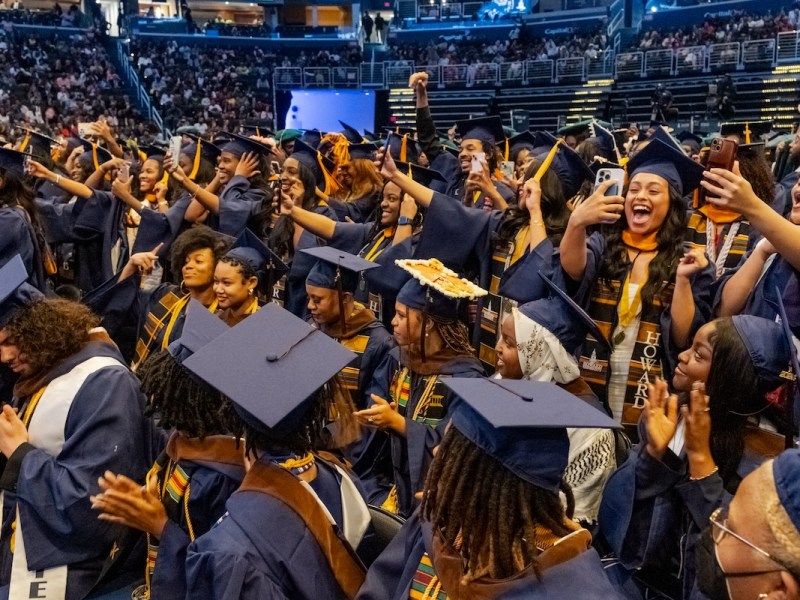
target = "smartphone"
x: 84, y: 129
x: 615, y: 175
x: 721, y: 155
x: 276, y: 196
x: 385, y: 151
x: 26, y: 164
x: 276, y: 168
x: 507, y: 169
x: 477, y: 162
x: 124, y: 172
x: 175, y: 145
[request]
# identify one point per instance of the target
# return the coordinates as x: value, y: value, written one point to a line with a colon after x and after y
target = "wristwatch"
x: 404, y: 221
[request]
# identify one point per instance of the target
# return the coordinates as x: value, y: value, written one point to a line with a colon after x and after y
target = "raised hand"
x: 598, y: 208
x: 248, y: 165
x: 661, y: 418
x: 692, y: 262
x: 38, y: 170
x: 728, y: 190
x: 698, y: 432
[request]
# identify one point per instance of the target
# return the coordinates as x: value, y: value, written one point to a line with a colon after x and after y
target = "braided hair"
x: 182, y: 401
x: 486, y: 512
x: 454, y: 334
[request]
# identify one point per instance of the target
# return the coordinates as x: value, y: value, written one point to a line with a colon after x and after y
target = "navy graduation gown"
x: 382, y: 285
x: 412, y: 454
x: 391, y: 576
x: 358, y: 210
x: 238, y: 203
x: 235, y: 560
x: 104, y: 430
x: 295, y: 299
x: 211, y: 485
x: 652, y: 514
x: 478, y: 251
x: 17, y: 237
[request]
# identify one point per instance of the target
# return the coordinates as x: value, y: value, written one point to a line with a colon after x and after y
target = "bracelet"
x: 163, y: 203
x: 58, y: 179
x: 194, y: 195
x: 704, y: 476
x: 537, y: 222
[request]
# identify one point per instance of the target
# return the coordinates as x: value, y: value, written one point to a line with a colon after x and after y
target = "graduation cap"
x: 522, y: 141
x: 562, y: 316
x: 337, y: 270
x: 15, y: 292
x: 450, y: 146
x: 566, y: 163
x: 250, y: 250
x: 239, y: 145
x: 684, y: 136
x: 747, y: 131
x: 671, y: 164
x: 320, y: 166
x: 99, y: 154
x: 271, y: 350
x: 401, y: 130
x: 489, y: 129
x: 435, y: 290
x: 662, y: 134
x: 768, y: 347
x: 36, y: 143
x: 287, y: 135
x: 200, y: 149
x: 786, y: 472
x: 13, y: 161
x: 581, y: 127
x: 523, y: 424
x: 420, y: 174
x: 152, y: 151
x: 311, y: 137
x: 256, y: 130
x: 543, y: 141
x: 750, y: 150
x: 200, y: 327
x: 370, y: 136
x: 606, y: 141
x: 403, y: 148
x: 361, y: 151
x: 351, y: 133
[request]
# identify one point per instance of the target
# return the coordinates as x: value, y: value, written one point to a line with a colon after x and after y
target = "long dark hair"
x: 15, y: 192
x: 281, y: 239
x: 662, y: 268
x: 486, y: 512
x: 554, y: 209
x: 734, y: 391
x: 754, y: 168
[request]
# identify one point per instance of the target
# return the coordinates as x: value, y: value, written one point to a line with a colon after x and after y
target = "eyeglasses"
x: 719, y: 529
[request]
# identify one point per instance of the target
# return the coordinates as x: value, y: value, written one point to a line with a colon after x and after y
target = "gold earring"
x: 250, y: 292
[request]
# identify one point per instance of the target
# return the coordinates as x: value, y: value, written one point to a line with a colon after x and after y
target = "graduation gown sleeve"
x: 388, y: 280
x: 210, y: 491
x: 521, y: 281
x: 358, y: 210
x: 350, y: 237
x: 238, y: 202
x: 58, y: 218
x: 157, y: 227
x: 104, y: 431
x: 16, y: 238
x: 447, y: 220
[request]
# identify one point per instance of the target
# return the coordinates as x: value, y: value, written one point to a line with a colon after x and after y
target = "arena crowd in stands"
x: 54, y: 83
x: 741, y: 28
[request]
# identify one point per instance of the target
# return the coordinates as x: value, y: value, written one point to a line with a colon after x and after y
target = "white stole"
x: 46, y: 432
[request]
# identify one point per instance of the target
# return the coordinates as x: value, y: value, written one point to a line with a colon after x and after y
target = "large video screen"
x: 323, y: 109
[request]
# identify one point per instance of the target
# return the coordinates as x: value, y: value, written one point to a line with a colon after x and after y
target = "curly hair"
x: 662, y: 268
x: 49, y: 330
x: 179, y: 399
x: 196, y: 238
x: 486, y: 512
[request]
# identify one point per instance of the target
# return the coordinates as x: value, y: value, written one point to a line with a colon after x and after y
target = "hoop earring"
x: 182, y: 287
x: 250, y: 292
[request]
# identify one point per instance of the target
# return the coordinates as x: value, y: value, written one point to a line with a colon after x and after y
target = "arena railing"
x: 659, y: 62
x: 142, y: 96
x: 788, y: 46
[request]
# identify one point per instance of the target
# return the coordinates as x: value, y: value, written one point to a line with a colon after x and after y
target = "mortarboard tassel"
x: 547, y: 161
x: 196, y: 163
x: 25, y: 141
x: 340, y: 291
x: 404, y: 148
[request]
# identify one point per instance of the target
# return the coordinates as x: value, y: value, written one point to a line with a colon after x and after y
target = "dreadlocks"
x: 492, y: 517
x: 181, y: 400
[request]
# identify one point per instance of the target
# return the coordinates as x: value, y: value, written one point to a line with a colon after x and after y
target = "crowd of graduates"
x: 403, y: 365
